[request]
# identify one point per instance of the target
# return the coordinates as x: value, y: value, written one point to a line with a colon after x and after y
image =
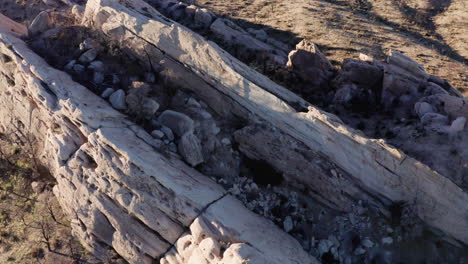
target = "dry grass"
x: 345, y: 28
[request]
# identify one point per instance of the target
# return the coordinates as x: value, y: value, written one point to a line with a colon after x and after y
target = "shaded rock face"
x: 311, y: 65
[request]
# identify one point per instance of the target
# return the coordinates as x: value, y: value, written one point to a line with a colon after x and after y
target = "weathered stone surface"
x: 370, y: 165
x: 118, y: 190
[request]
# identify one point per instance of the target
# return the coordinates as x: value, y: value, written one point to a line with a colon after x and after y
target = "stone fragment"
x: 70, y: 65
x: 359, y: 251
x: 193, y: 102
x: 40, y: 23
x: 97, y: 66
x: 457, y: 125
x: 324, y: 246
x: 310, y: 64
x: 226, y: 141
x: 367, y: 243
x: 107, y: 92
x: 88, y: 56
x: 149, y: 108
x: 157, y: 134
x: 117, y: 100
x: 422, y: 108
x: 179, y: 123
x: 190, y: 149
x: 78, y: 68
x: 168, y: 132
x: 434, y: 118
x: 98, y: 77
x: 387, y: 240
x: 288, y: 224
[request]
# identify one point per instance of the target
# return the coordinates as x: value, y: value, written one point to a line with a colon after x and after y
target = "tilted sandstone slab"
x: 119, y: 191
x: 381, y: 172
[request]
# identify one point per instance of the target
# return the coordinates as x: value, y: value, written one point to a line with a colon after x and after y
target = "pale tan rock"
x: 118, y: 190
x: 370, y: 164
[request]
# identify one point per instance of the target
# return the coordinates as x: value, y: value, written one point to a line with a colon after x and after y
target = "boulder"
x: 40, y: 23
x: 458, y: 125
x: 203, y: 17
x: 117, y: 100
x: 421, y: 108
x: 88, y: 56
x: 107, y: 92
x: 149, y: 108
x: 190, y: 149
x: 310, y: 64
x: 179, y: 123
x: 402, y: 81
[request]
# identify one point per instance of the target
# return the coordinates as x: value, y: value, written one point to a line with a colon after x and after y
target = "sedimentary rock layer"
x: 119, y: 191
x: 379, y: 171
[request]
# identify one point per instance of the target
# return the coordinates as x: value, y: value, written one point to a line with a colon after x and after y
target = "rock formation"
x: 119, y: 175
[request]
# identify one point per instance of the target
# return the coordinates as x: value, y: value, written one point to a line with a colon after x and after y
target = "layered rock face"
x: 118, y: 190
x: 122, y: 190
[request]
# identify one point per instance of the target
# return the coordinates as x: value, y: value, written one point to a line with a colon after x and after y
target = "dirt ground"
x: 433, y: 32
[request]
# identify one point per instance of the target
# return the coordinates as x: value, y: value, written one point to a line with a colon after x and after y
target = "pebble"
x: 78, y: 68
x: 288, y: 224
x: 179, y: 123
x: 367, y: 243
x: 203, y: 17
x: 168, y: 132
x: 324, y: 246
x: 70, y: 65
x: 387, y: 240
x: 98, y: 77
x: 96, y: 66
x: 193, y: 102
x: 458, y: 125
x: 149, y: 108
x: 359, y: 251
x: 107, y: 92
x: 422, y: 108
x: 226, y: 141
x: 117, y: 99
x: 88, y: 56
x: 157, y: 134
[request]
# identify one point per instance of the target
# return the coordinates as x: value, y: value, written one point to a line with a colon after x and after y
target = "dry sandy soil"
x: 433, y: 32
